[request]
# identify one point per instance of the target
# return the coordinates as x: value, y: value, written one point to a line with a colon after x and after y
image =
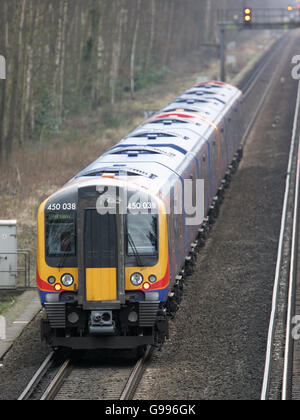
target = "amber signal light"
x: 247, y: 15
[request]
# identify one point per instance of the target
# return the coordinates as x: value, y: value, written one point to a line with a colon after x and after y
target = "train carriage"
x: 115, y: 242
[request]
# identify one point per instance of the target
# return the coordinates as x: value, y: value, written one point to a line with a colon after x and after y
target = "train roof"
x: 157, y: 148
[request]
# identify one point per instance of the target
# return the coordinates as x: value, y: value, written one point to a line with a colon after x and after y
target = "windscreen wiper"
x: 135, y: 251
x: 64, y: 256
x: 62, y: 260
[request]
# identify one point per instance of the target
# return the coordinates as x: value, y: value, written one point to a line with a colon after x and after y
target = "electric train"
x: 116, y: 242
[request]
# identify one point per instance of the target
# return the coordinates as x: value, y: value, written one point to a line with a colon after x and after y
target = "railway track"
x: 35, y: 386
x: 251, y: 78
x: 281, y: 380
x: 60, y: 376
x: 256, y: 86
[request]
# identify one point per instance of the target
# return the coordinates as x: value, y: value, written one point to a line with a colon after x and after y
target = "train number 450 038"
x: 61, y: 206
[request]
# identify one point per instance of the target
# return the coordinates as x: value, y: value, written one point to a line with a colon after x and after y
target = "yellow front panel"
x: 101, y: 284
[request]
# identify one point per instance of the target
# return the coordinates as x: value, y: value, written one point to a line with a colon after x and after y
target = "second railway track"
x: 279, y: 375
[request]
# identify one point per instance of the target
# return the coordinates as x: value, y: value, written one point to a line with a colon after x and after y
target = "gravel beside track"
x: 22, y: 361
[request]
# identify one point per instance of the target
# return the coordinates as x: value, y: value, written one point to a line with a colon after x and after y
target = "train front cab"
x: 103, y: 308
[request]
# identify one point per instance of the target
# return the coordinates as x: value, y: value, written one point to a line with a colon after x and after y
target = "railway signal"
x: 247, y: 15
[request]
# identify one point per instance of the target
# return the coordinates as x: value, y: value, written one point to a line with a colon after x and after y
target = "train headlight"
x: 67, y: 280
x: 152, y: 278
x: 136, y: 279
x: 51, y: 280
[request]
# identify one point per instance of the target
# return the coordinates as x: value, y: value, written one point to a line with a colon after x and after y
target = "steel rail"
x: 258, y: 108
x: 260, y: 67
x: 136, y: 375
x: 267, y: 370
x: 38, y: 376
x: 291, y: 295
x: 56, y: 383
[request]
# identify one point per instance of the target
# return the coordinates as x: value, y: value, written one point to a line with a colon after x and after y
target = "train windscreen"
x: 142, y: 237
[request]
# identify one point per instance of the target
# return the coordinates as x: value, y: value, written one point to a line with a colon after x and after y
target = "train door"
x: 100, y: 256
x: 101, y: 266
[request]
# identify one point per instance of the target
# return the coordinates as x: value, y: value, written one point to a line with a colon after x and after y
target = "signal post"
x: 250, y: 18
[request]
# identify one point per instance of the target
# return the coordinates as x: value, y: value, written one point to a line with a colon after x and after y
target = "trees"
x: 68, y: 55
